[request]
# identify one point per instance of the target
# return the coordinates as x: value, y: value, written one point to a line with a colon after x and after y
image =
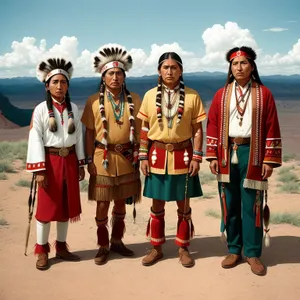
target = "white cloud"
x: 283, y: 64
x: 276, y: 29
x: 217, y: 40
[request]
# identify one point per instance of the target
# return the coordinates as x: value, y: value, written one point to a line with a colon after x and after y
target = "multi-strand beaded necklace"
x: 168, y: 111
x: 119, y: 115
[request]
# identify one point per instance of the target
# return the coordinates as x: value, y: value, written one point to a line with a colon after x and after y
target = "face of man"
x: 58, y: 87
x: 241, y: 70
x: 170, y: 73
x: 114, y: 79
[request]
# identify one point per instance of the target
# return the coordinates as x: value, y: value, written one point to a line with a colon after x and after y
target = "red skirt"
x: 60, y: 200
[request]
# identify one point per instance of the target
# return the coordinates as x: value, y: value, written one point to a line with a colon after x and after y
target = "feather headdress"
x: 53, y: 66
x: 112, y: 56
x: 44, y: 71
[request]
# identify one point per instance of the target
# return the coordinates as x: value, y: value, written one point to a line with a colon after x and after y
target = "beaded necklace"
x: 170, y: 103
x: 118, y: 109
x: 241, y: 99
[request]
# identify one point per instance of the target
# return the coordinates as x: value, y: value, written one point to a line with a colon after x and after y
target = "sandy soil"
x: 126, y: 278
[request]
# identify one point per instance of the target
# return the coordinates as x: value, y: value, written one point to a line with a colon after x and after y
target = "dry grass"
x: 3, y: 222
x: 288, y: 157
x: 286, y: 218
x: 23, y: 183
x: 3, y: 176
x: 213, y: 213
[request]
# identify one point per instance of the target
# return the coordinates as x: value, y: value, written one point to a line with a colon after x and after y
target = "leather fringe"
x: 105, y: 188
x: 185, y: 229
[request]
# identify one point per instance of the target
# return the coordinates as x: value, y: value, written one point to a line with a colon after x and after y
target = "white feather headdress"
x: 53, y: 66
x: 112, y: 56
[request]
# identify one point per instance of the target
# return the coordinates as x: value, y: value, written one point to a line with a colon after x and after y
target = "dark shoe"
x: 66, y: 255
x: 42, y: 261
x: 256, y: 265
x: 231, y: 260
x: 101, y: 256
x: 152, y: 257
x: 185, y: 257
x: 121, y: 249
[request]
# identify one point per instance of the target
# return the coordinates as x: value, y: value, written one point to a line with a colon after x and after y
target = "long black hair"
x: 251, y: 56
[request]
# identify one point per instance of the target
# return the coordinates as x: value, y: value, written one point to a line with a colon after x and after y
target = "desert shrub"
x: 210, y: 195
x: 23, y: 183
x: 288, y: 177
x: 288, y: 218
x: 13, y: 150
x: 207, y: 177
x: 3, y: 222
x: 290, y: 187
x: 213, y: 213
x: 3, y: 176
x: 6, y: 166
x: 285, y: 169
x: 288, y: 157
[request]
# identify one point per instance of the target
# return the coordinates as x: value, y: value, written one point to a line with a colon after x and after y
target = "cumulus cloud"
x: 283, y: 64
x: 218, y: 39
x: 276, y: 29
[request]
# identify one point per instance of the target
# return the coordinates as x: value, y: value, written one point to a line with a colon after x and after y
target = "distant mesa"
x: 5, y: 123
x: 11, y: 116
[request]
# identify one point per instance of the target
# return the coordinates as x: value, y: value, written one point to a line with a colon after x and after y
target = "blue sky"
x: 200, y: 31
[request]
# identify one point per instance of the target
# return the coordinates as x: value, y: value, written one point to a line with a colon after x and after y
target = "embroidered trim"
x: 223, y: 178
x: 35, y: 166
x: 255, y: 184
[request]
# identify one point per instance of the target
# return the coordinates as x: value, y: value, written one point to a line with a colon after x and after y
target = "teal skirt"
x: 171, y: 187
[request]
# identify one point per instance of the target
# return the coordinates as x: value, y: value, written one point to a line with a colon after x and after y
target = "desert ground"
x: 126, y: 278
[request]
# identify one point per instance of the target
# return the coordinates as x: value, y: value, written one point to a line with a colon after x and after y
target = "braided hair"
x: 113, y: 56
x: 45, y: 71
x: 104, y: 120
x: 180, y: 109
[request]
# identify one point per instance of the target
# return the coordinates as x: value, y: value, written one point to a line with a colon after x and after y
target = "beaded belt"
x: 64, y: 151
x: 239, y: 140
x: 171, y: 147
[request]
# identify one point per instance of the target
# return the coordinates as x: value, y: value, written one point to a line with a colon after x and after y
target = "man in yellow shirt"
x: 170, y: 154
x: 112, y: 142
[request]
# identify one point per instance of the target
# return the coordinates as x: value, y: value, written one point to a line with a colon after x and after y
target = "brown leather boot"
x: 121, y: 249
x: 185, y: 257
x: 153, y: 256
x: 231, y: 260
x: 102, y: 256
x: 66, y: 255
x: 42, y: 261
x: 257, y: 266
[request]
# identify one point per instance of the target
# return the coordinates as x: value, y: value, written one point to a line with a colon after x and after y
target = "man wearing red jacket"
x: 243, y: 147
